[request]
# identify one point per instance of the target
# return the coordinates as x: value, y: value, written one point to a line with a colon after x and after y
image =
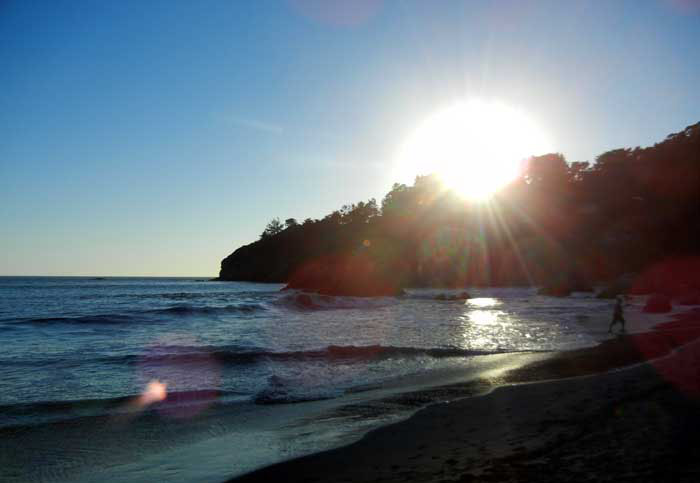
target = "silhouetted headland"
x: 630, y: 219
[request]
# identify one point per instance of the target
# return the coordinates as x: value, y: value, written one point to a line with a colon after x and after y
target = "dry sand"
x: 626, y: 410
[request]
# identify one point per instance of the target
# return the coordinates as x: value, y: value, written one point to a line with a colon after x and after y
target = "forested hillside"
x: 559, y: 223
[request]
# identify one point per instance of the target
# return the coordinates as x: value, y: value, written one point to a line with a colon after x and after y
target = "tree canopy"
x: 274, y: 227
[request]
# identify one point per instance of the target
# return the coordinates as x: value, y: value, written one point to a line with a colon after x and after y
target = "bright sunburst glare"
x: 475, y: 147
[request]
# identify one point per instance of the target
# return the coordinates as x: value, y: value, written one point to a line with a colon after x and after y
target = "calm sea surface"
x: 249, y: 375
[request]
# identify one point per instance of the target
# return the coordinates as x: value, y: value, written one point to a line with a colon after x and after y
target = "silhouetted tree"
x: 273, y: 228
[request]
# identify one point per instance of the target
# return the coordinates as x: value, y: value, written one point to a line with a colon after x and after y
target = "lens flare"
x: 155, y: 391
x: 475, y: 147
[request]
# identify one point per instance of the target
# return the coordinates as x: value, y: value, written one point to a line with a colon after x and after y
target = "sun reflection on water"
x: 483, y: 302
x: 484, y: 327
x: 483, y: 317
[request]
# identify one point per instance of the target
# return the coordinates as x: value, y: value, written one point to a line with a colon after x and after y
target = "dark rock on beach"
x: 562, y: 286
x: 304, y: 300
x: 555, y: 291
x: 459, y: 296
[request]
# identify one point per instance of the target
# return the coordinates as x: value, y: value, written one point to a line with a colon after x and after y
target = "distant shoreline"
x: 430, y: 446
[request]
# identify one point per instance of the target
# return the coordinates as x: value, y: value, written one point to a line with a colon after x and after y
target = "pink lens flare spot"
x: 155, y: 391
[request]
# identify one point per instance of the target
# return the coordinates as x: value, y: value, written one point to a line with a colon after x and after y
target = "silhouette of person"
x: 617, y: 315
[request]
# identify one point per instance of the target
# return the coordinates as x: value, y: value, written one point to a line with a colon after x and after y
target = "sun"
x: 475, y: 147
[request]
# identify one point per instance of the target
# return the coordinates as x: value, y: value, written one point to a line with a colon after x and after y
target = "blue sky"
x: 153, y: 138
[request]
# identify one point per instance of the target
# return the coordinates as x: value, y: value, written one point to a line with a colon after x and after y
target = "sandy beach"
x: 625, y: 410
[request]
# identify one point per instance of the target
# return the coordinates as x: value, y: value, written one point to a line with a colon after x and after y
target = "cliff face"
x: 323, y: 256
x: 256, y: 262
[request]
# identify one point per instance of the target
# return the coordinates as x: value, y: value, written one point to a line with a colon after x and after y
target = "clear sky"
x: 154, y: 138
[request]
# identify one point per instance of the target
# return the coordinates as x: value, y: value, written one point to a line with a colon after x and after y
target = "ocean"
x: 183, y: 379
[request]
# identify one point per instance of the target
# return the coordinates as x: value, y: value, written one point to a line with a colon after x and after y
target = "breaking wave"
x: 312, y: 301
x: 195, y: 310
x: 333, y: 353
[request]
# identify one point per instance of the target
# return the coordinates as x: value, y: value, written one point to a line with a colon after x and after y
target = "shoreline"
x: 530, y: 413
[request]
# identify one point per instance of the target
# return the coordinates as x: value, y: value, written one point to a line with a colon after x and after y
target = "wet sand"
x: 626, y: 410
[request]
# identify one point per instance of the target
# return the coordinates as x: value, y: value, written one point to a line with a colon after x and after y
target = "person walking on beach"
x: 617, y: 315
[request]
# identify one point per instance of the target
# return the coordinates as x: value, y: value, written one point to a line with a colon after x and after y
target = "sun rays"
x: 475, y: 147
